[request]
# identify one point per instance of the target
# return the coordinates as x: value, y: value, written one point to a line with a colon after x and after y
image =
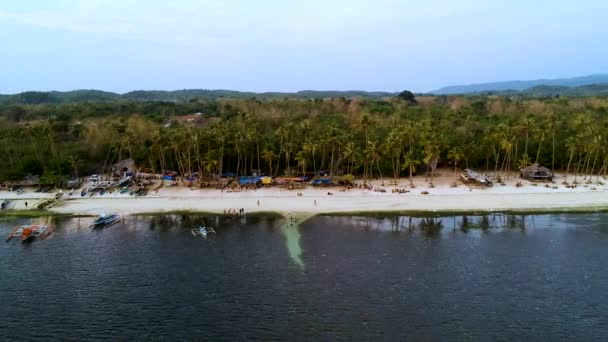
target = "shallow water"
x: 332, y: 278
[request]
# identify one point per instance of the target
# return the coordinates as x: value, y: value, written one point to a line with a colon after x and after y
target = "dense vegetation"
x: 392, y: 137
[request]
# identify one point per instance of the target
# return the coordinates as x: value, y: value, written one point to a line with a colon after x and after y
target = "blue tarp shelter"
x: 244, y: 180
x: 321, y: 181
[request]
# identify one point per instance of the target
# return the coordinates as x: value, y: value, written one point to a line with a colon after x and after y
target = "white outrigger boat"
x: 202, y: 231
x: 104, y: 220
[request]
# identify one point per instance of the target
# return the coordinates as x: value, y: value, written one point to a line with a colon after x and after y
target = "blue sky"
x: 274, y: 45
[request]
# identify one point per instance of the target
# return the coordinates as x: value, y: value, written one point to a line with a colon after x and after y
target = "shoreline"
x: 444, y: 198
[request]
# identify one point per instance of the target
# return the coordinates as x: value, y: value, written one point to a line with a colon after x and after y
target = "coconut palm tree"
x: 409, y: 163
x: 372, y: 153
x: 269, y: 156
x: 456, y: 154
x: 572, y: 147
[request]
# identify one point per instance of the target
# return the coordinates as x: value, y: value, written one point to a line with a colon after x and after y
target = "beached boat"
x: 202, y: 231
x: 472, y: 177
x: 29, y: 232
x: 104, y: 220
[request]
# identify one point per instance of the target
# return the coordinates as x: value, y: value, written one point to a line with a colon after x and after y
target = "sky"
x: 284, y: 45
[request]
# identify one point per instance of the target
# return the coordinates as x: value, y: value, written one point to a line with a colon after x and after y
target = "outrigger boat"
x: 28, y: 233
x: 104, y: 220
x: 202, y: 231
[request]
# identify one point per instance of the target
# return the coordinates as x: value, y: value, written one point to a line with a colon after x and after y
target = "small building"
x: 536, y: 172
x: 124, y: 168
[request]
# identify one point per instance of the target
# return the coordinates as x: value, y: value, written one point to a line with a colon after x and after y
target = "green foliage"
x: 407, y: 96
x: 362, y: 137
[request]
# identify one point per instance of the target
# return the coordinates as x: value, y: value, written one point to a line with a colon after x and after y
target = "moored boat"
x: 29, y: 232
x: 104, y: 220
x: 202, y: 231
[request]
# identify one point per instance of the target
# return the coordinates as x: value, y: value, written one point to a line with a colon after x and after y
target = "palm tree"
x: 301, y: 159
x: 334, y: 139
x: 540, y: 135
x: 310, y: 149
x: 431, y: 157
x: 572, y: 147
x: 268, y: 155
x: 373, y: 156
x: 74, y: 162
x: 409, y: 163
x: 526, y: 126
x: 456, y: 154
x: 393, y: 146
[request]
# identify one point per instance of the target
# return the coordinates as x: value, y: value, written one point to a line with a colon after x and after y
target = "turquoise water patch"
x: 292, y: 239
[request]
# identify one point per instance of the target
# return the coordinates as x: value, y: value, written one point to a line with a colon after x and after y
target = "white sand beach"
x: 447, y: 196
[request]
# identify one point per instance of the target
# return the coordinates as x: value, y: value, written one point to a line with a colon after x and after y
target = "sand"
x: 444, y: 197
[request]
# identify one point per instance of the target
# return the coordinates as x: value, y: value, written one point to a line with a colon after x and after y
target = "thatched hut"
x: 535, y: 172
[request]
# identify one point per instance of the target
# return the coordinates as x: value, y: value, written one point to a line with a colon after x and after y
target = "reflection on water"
x: 432, y: 225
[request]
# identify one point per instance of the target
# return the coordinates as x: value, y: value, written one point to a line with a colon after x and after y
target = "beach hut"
x: 535, y: 172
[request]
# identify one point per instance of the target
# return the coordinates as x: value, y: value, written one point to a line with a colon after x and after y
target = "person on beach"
x: 315, y: 203
x: 258, y: 203
x: 25, y: 204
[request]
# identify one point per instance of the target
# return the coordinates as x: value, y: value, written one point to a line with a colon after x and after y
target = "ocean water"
x: 516, y: 277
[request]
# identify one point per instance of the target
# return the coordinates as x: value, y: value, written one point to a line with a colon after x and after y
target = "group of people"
x: 234, y: 212
x: 292, y: 219
x: 364, y: 186
x: 400, y: 190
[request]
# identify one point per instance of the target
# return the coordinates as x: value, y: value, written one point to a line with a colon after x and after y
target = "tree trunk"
x: 331, y: 164
x: 553, y: 153
x: 538, y: 152
x: 568, y: 167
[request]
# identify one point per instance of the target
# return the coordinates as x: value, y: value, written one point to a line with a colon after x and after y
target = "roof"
x: 535, y: 167
x: 126, y: 163
x: 196, y: 119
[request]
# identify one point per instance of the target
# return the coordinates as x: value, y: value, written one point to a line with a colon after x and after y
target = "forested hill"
x: 566, y: 85
x: 187, y: 95
x: 56, y: 97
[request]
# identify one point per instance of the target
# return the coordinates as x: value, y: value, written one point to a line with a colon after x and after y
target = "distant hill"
x: 56, y: 97
x: 522, y: 85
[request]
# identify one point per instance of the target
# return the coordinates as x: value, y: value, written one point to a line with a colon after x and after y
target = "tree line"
x: 369, y: 138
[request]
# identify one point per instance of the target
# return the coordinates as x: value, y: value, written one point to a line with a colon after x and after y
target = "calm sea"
x: 494, y: 277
